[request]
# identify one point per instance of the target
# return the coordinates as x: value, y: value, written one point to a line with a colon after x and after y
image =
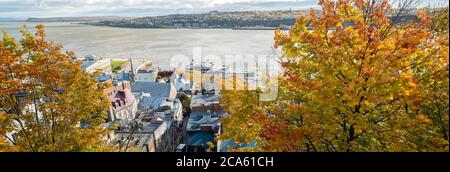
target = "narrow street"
x: 185, y: 124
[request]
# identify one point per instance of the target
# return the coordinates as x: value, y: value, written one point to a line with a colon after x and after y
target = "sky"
x: 137, y: 8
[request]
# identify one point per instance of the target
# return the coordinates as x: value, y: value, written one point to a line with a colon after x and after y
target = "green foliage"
x: 186, y: 103
x: 117, y: 65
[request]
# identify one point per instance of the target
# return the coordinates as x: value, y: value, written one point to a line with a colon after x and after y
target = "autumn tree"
x: 186, y: 103
x: 47, y: 103
x: 353, y: 81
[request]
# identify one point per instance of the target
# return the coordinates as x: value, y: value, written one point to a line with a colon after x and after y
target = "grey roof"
x: 199, y: 100
x: 198, y: 119
x: 145, y: 100
x: 146, y: 134
x: 213, y: 114
x: 125, y: 76
x: 159, y: 92
x: 154, y: 88
x: 103, y: 78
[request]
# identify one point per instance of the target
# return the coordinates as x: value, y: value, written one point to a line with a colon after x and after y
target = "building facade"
x: 91, y: 64
x: 123, y: 103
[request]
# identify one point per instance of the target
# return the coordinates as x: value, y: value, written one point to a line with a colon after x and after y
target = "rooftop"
x: 159, y: 92
x: 145, y: 100
x: 199, y: 119
x: 199, y: 100
x: 120, y: 96
x: 200, y: 138
x: 103, y: 77
x: 166, y: 111
x: 146, y: 68
x: 141, y: 137
x: 121, y: 99
x: 225, y: 145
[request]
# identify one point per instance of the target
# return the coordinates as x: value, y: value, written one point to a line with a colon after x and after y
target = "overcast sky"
x: 64, y: 8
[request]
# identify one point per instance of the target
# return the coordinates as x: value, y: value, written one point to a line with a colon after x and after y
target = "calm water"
x: 159, y: 45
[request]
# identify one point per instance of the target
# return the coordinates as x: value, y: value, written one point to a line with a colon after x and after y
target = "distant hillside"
x: 7, y: 19
x: 213, y: 19
x: 76, y: 19
x: 235, y: 20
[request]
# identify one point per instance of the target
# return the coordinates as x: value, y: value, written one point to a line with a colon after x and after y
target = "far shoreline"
x: 186, y: 28
x: 149, y: 28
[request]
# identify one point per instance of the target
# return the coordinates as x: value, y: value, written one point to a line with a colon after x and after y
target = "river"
x: 158, y: 45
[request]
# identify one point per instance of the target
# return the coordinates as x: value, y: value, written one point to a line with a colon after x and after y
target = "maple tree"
x: 47, y: 102
x: 353, y: 80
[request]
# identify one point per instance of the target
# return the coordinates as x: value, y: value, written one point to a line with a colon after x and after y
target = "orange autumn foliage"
x: 371, y: 86
x: 47, y: 103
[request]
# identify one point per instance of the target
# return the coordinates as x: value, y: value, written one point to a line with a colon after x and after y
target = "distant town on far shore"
x: 239, y: 20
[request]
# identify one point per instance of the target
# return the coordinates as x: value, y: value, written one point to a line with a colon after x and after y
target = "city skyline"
x: 139, y: 8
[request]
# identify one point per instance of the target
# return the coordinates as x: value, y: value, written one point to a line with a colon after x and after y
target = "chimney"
x: 122, y: 94
x: 206, y: 128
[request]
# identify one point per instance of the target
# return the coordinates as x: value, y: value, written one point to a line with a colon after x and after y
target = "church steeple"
x: 132, y: 74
